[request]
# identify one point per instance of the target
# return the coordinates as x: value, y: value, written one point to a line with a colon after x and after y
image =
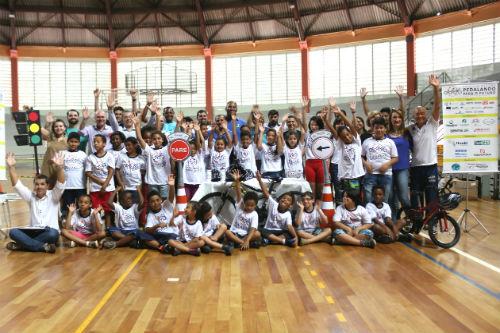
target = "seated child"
x: 191, y: 232
x: 126, y: 224
x: 278, y: 228
x: 83, y: 225
x: 213, y: 230
x: 352, y: 223
x: 308, y: 220
x: 383, y: 227
x: 243, y: 230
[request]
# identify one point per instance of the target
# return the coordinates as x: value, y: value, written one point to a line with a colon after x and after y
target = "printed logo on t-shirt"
x: 158, y: 158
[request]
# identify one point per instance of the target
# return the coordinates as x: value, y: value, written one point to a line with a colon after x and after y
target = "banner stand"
x: 463, y: 219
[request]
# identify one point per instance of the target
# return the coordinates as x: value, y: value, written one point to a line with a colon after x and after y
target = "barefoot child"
x: 385, y: 230
x: 213, y: 230
x: 278, y: 228
x: 308, y: 220
x: 191, y: 232
x: 83, y: 224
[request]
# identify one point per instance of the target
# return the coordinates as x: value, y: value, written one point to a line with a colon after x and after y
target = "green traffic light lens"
x: 36, y: 139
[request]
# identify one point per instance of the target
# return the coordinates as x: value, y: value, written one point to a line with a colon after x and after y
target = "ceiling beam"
x: 12, y: 25
x: 349, y: 18
x: 296, y: 18
x: 136, y: 25
x: 180, y: 26
x: 157, y: 31
x: 250, y: 24
x: 390, y: 11
x: 109, y: 20
x: 203, y: 27
x: 273, y: 17
x: 84, y: 26
x: 63, y: 29
x: 418, y: 8
x: 39, y: 25
x: 226, y: 21
x: 404, y: 12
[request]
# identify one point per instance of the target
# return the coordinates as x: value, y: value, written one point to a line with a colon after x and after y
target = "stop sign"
x: 179, y: 150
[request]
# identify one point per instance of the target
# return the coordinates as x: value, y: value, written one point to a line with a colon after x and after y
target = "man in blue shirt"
x: 232, y: 108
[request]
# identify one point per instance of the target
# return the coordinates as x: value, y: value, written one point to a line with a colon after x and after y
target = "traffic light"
x: 34, y: 127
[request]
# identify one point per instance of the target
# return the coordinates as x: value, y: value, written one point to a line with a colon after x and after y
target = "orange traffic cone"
x: 327, y: 205
x: 181, y: 199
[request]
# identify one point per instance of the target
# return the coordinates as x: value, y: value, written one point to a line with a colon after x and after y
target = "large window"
x: 177, y: 83
x: 5, y: 82
x: 261, y: 79
x: 461, y: 48
x: 343, y: 71
x: 51, y: 85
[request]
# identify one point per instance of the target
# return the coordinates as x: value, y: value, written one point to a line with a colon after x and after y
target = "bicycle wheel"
x: 223, y: 206
x: 444, y: 231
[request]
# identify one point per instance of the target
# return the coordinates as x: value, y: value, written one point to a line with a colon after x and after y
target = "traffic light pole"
x: 37, y: 168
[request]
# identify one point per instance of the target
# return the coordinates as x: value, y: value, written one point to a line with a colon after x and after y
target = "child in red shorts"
x: 99, y: 168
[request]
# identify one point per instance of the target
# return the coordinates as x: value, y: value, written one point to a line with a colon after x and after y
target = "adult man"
x: 100, y: 127
x: 44, y: 209
x: 232, y: 108
x: 201, y: 116
x: 170, y: 124
x: 423, y: 170
x: 73, y: 117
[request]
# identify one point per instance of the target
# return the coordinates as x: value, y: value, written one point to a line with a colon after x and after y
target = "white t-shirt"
x: 157, y: 165
x: 246, y: 157
x: 98, y: 166
x: 336, y: 153
x: 90, y: 131
x: 294, y: 167
x: 193, y: 169
x: 130, y: 168
x: 74, y: 169
x: 350, y: 163
x: 352, y: 218
x: 220, y: 161
x: 424, y: 143
x: 117, y: 153
x: 380, y: 214
x: 275, y: 219
x: 163, y: 216
x: 126, y: 219
x: 190, y: 231
x: 271, y: 161
x: 243, y: 221
x: 211, y: 226
x: 378, y: 152
x: 308, y: 147
x: 310, y: 220
x: 83, y: 224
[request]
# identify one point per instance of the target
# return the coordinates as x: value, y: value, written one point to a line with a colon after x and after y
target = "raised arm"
x: 111, y: 102
x: 362, y: 93
x: 171, y: 188
x: 97, y: 93
x: 347, y: 122
x: 137, y: 125
x: 226, y: 133
x: 71, y: 211
x: 260, y: 135
x: 235, y: 133
x: 434, y: 82
x: 306, y: 108
x: 211, y: 136
x: 198, y: 138
x: 49, y: 120
x: 279, y: 142
x: 11, y: 164
x: 399, y: 91
x: 85, y: 117
x: 133, y: 95
x: 111, y: 199
x: 263, y: 187
x: 58, y: 162
x: 237, y: 188
x: 300, y: 212
x: 141, y: 197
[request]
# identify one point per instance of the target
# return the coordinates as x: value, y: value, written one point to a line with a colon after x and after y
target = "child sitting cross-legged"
x: 83, y: 224
x: 352, y: 223
x: 191, y: 231
x: 213, y: 230
x: 278, y: 228
x: 308, y: 220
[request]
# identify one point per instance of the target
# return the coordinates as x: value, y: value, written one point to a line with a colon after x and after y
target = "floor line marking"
x: 321, y: 285
x: 330, y: 299
x: 313, y: 273
x: 451, y: 270
x: 340, y: 317
x: 109, y: 293
x: 307, y: 263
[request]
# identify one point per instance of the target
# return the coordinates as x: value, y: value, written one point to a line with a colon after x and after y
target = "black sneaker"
x: 255, y: 244
x: 368, y: 243
x: 405, y: 238
x: 290, y: 242
x: 175, y: 252
x: 195, y: 252
x: 13, y: 246
x: 384, y: 239
x: 49, y: 248
x: 265, y: 241
x: 227, y: 249
x: 333, y: 241
x: 206, y: 249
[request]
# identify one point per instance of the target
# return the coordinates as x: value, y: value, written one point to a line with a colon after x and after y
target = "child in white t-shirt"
x: 385, y: 230
x: 219, y: 154
x: 278, y: 228
x: 191, y: 231
x: 213, y: 230
x: 293, y: 151
x: 352, y: 223
x: 130, y: 168
x: 74, y: 172
x: 83, y: 224
x: 245, y: 151
x: 157, y: 161
x: 309, y: 219
x: 270, y: 153
x: 193, y: 168
x: 243, y: 231
x: 117, y: 148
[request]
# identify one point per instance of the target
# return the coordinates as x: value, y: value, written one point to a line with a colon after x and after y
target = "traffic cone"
x: 181, y: 199
x: 327, y: 205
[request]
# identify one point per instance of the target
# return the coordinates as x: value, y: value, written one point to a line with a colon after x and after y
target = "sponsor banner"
x: 470, y: 121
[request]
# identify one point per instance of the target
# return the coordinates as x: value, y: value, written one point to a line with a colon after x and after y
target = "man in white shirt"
x: 423, y: 170
x: 44, y: 210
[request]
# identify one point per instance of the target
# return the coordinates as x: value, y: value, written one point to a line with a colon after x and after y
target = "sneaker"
x: 368, y: 243
x: 49, y: 248
x: 333, y: 241
x: 72, y: 244
x: 405, y: 238
x: 13, y: 246
x: 227, y: 249
x: 265, y: 242
x: 108, y: 244
x: 195, y: 252
x: 93, y: 244
x: 290, y: 242
x: 175, y: 252
x: 384, y: 239
x: 255, y: 244
x: 206, y: 249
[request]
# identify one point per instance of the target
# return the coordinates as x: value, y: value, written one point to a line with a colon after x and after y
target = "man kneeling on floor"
x: 43, y: 231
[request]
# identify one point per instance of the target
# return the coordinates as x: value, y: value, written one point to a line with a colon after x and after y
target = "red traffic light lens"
x: 33, y: 116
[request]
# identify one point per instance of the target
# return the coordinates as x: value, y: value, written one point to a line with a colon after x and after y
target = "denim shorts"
x: 365, y: 232
x: 162, y: 189
x: 135, y: 232
x: 312, y: 231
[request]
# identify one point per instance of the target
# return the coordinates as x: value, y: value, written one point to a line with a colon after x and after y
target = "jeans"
x: 334, y: 172
x: 424, y: 179
x: 400, y: 191
x: 371, y: 180
x: 34, y: 239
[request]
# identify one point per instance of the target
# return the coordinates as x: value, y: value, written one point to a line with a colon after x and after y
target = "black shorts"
x: 267, y: 232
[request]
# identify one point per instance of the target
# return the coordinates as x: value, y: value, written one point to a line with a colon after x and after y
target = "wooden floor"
x: 316, y: 288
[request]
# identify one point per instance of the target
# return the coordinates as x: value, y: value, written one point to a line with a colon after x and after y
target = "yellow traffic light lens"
x: 34, y: 128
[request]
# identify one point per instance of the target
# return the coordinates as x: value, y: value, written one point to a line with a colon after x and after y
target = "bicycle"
x: 224, y: 205
x: 444, y: 230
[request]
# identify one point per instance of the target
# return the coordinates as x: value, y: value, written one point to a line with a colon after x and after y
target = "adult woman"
x: 56, y: 142
x: 360, y: 126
